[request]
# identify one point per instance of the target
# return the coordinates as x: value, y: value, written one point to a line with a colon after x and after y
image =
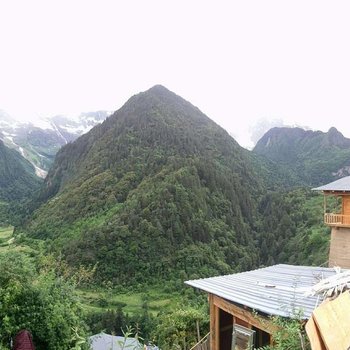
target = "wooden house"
x: 241, y: 304
x: 337, y: 216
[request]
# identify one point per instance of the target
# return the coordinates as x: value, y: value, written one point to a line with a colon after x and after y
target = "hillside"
x: 17, y: 175
x: 17, y: 181
x: 158, y: 190
x: 313, y: 157
x: 39, y: 141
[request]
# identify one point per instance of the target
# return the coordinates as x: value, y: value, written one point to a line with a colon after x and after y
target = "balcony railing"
x: 340, y: 220
x: 203, y: 344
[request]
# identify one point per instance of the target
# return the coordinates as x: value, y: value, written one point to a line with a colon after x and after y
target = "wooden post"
x: 198, y: 332
x: 214, y: 324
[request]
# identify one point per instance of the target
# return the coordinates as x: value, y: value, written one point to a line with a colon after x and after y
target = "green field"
x: 132, y: 301
x: 102, y: 299
x: 6, y: 238
x: 7, y: 241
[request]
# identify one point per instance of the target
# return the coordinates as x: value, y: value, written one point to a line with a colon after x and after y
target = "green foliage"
x: 39, y: 301
x: 290, y: 335
x: 291, y: 228
x: 178, y: 329
x: 114, y: 321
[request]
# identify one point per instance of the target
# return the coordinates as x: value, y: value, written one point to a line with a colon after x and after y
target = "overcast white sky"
x: 238, y: 61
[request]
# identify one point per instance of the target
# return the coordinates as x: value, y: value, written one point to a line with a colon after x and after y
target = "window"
x: 242, y: 338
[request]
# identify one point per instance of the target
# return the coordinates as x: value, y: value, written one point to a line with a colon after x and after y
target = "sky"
x: 247, y: 64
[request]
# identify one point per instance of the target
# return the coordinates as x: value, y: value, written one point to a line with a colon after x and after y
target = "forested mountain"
x: 156, y: 190
x: 17, y: 181
x: 159, y: 191
x: 39, y: 141
x: 311, y: 157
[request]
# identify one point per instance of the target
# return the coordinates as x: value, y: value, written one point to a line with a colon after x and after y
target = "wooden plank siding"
x: 314, y: 335
x: 332, y: 319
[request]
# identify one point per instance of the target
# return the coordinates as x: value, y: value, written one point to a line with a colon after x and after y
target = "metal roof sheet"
x: 342, y: 184
x: 274, y: 290
x: 105, y: 341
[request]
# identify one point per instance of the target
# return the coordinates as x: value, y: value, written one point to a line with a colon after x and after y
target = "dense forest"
x: 155, y: 195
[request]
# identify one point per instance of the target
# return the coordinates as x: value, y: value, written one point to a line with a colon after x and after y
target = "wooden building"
x: 337, y: 216
x: 241, y: 304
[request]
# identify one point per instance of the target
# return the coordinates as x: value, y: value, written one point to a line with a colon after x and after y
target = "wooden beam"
x: 257, y: 321
x: 214, y: 324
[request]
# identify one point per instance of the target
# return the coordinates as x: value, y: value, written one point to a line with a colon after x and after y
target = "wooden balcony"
x: 203, y: 344
x: 338, y: 220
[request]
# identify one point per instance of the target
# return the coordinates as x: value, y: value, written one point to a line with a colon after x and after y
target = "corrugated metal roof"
x: 275, y: 290
x: 342, y: 184
x: 105, y: 341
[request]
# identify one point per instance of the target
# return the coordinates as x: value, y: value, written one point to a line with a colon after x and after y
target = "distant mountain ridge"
x: 39, y: 141
x: 314, y: 157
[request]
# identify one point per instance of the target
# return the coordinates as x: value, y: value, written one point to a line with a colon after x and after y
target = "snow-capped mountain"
x: 39, y: 141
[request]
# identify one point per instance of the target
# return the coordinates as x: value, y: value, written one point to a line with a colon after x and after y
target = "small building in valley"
x: 241, y: 304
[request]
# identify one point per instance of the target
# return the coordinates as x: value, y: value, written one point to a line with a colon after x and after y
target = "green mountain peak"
x: 156, y: 189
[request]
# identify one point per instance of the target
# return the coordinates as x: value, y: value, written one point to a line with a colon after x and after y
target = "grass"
x: 6, y: 238
x: 100, y: 300
x: 7, y: 241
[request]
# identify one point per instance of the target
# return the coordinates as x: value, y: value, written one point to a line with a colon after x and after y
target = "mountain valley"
x: 157, y: 194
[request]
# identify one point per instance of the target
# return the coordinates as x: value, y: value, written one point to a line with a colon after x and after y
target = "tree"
x: 39, y: 301
x: 178, y: 330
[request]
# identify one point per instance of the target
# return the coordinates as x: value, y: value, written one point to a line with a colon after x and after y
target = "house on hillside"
x: 337, y: 216
x: 242, y: 304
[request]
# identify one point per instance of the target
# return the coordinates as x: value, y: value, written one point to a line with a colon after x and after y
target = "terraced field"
x: 158, y: 300
x: 6, y: 238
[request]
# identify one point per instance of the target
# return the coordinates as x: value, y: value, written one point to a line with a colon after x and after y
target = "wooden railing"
x: 337, y: 220
x: 203, y: 344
